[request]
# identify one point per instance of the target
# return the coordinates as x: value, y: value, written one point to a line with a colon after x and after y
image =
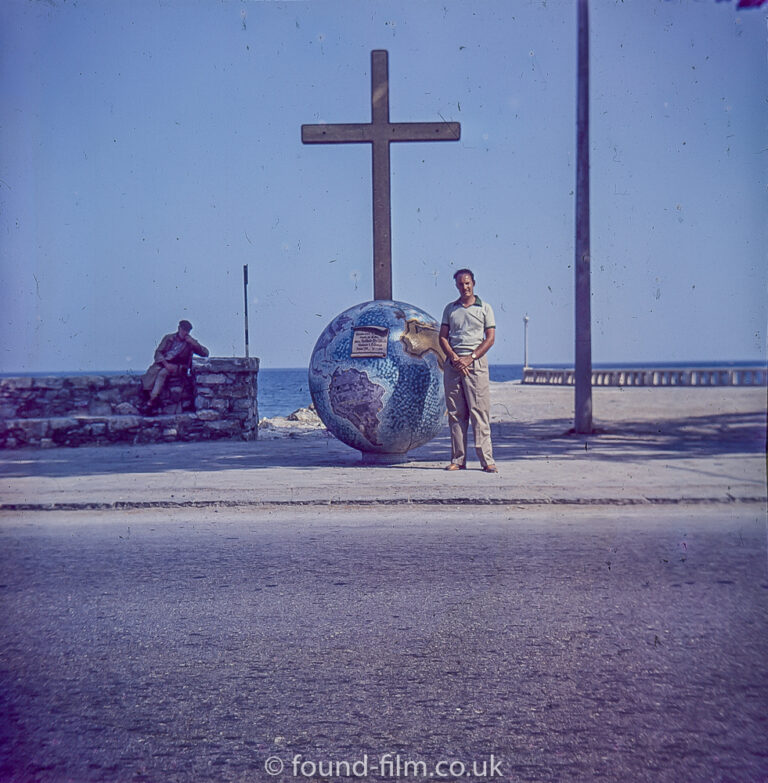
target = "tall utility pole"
x: 583, y: 325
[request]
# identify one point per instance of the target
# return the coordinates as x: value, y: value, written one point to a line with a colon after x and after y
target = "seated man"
x: 172, y: 357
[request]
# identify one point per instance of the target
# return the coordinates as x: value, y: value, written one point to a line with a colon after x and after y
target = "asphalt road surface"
x: 536, y: 644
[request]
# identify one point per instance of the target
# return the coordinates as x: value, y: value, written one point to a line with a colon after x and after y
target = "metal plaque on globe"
x: 369, y: 342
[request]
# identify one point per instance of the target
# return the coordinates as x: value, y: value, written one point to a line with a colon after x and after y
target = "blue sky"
x: 150, y: 149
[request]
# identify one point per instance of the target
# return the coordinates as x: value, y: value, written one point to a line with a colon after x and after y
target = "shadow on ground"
x: 706, y: 436
x: 721, y: 434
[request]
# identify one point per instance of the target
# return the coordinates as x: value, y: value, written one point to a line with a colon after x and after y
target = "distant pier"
x: 653, y: 376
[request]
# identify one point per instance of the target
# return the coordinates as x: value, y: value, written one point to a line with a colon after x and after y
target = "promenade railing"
x: 653, y: 376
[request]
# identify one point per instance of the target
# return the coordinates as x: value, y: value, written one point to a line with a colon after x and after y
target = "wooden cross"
x: 380, y: 132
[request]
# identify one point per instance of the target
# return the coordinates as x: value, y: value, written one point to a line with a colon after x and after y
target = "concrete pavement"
x: 652, y: 445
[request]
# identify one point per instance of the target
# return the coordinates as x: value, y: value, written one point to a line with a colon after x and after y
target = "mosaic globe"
x: 376, y: 379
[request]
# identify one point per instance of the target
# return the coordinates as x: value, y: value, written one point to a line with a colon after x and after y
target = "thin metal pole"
x: 245, y: 301
x: 583, y: 327
x: 525, y: 357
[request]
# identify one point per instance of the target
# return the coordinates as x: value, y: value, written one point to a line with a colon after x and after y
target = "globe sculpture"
x: 376, y: 379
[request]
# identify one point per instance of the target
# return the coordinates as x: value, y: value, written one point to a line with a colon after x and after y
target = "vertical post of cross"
x: 382, y: 197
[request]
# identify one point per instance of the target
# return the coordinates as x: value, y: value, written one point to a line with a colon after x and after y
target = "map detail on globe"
x: 376, y: 378
x: 355, y: 398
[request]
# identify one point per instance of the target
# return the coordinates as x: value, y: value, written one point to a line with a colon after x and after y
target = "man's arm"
x: 162, y: 348
x: 485, y: 346
x: 197, y: 347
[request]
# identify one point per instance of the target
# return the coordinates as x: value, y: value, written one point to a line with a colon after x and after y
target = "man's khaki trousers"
x: 468, y: 398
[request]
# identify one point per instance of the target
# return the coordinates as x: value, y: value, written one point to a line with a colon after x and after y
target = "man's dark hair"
x: 185, y: 325
x: 463, y: 272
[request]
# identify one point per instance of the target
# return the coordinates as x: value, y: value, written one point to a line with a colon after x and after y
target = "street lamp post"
x: 525, y: 342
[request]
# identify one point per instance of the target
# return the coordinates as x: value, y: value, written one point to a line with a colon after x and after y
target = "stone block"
x: 100, y: 408
x: 122, y: 423
x: 87, y: 381
x: 126, y: 409
x: 15, y: 383
x: 63, y: 423
x: 211, y: 379
x: 34, y: 429
x: 31, y: 409
x: 208, y: 415
x: 226, y: 363
x: 224, y: 427
x: 26, y: 432
x: 238, y: 385
x: 58, y: 409
x: 8, y: 410
x: 48, y: 383
x: 122, y: 381
x: 110, y: 395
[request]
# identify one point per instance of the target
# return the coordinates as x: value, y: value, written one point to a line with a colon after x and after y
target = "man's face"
x: 183, y: 333
x: 465, y: 286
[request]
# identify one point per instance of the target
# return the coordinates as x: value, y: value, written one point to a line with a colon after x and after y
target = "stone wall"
x: 219, y: 400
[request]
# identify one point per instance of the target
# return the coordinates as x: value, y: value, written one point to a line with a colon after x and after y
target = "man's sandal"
x: 491, y: 469
x: 454, y: 466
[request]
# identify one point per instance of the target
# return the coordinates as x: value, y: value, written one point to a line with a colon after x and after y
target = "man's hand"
x: 466, y: 361
x: 462, y: 363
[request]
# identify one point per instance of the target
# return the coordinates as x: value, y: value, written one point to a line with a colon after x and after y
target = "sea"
x: 284, y: 390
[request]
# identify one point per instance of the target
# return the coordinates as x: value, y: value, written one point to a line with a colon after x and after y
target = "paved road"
x: 572, y: 644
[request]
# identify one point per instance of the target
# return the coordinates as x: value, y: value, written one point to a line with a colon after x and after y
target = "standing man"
x: 467, y: 332
x: 172, y: 357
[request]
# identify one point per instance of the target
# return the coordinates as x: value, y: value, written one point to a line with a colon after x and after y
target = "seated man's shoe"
x: 454, y: 466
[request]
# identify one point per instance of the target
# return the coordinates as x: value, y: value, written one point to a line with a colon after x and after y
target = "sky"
x: 148, y: 150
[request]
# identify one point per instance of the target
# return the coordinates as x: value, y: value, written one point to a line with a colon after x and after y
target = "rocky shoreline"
x: 302, y: 422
